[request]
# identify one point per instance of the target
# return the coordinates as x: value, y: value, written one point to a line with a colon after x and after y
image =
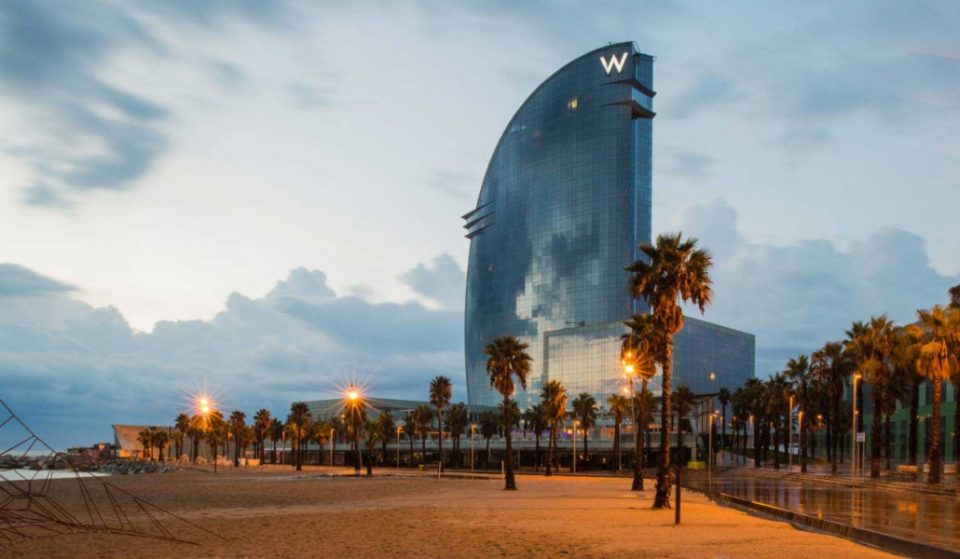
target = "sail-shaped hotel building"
x: 564, y: 205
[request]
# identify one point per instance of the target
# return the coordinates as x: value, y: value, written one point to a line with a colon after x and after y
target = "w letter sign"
x: 614, y: 63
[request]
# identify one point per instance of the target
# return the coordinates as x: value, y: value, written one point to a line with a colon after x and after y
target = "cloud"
x: 707, y: 91
x: 796, y: 297
x: 17, y: 281
x: 73, y: 369
x: 442, y: 281
x: 682, y: 163
x: 83, y: 131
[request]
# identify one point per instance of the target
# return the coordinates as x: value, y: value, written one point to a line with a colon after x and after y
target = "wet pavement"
x: 919, y: 517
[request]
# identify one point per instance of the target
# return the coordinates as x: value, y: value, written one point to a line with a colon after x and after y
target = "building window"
x: 572, y: 104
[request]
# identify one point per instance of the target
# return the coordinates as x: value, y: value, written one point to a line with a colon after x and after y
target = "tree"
x: 872, y: 346
x: 372, y: 431
x: 458, y: 418
x: 182, y: 425
x: 536, y: 421
x: 507, y: 358
x: 938, y: 330
x: 553, y: 398
x: 355, y: 417
x: 619, y: 407
x: 424, y: 415
x: 276, y: 434
x: 238, y: 428
x: 673, y: 272
x: 145, y: 438
x: 410, y: 429
x: 216, y: 432
x: 798, y: 372
x: 724, y: 397
x: 682, y: 401
x: 831, y: 365
x: 299, y: 420
x: 489, y: 425
x: 386, y: 427
x: 440, y: 393
x: 320, y: 434
x: 159, y: 440
x: 261, y: 427
x: 641, y: 349
x: 955, y: 297
x: 585, y: 412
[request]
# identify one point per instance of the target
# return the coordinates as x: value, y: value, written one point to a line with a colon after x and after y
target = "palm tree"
x: 585, y: 412
x: 955, y: 297
x: 619, y: 407
x: 299, y: 420
x: 261, y: 425
x: 276, y: 434
x: 906, y: 351
x: 410, y: 429
x: 724, y: 397
x: 831, y: 365
x: 683, y: 401
x: 440, y: 393
x: 872, y: 345
x: 216, y: 433
x: 160, y: 438
x: 385, y: 426
x: 424, y: 415
x: 641, y: 349
x: 506, y: 358
x: 457, y: 420
x: 372, y: 432
x: 238, y: 427
x: 798, y: 372
x: 938, y: 330
x: 182, y: 425
x: 533, y: 419
x: 554, y: 402
x: 145, y: 438
x: 489, y: 425
x: 673, y: 272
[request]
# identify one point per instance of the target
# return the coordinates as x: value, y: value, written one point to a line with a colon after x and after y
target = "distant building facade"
x: 564, y: 205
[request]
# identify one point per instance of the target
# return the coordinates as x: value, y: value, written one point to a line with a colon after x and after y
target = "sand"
x: 273, y: 512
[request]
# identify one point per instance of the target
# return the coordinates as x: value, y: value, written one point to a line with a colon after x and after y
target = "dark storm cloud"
x: 798, y: 296
x: 52, y: 59
x: 17, y: 281
x: 297, y: 342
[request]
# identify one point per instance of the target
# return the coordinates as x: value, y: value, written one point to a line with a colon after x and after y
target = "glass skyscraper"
x: 563, y: 207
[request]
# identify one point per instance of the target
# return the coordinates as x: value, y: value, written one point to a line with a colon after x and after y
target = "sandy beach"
x: 275, y: 512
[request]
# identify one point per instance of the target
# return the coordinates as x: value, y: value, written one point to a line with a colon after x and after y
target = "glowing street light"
x: 354, y: 401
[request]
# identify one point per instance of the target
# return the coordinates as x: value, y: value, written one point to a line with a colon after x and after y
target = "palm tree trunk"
x: 887, y: 439
x: 536, y: 458
x: 509, y: 482
x: 877, y: 422
x: 956, y: 419
x: 616, y: 442
x: 934, y: 458
x: 638, y: 447
x: 662, y: 499
x: 586, y: 451
x: 914, y: 420
x: 423, y: 448
x: 440, y: 435
x: 548, y: 470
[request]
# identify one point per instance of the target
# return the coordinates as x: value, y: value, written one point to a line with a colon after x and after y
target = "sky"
x: 263, y: 198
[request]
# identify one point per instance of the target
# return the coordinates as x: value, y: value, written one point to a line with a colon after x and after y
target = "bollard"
x: 676, y: 517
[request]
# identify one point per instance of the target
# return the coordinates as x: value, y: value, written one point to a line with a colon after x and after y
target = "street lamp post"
x: 399, y: 427
x: 333, y: 444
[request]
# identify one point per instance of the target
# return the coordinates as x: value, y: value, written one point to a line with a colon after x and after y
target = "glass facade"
x: 564, y: 204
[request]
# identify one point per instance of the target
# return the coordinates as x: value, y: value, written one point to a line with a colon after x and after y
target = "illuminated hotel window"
x: 572, y: 104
